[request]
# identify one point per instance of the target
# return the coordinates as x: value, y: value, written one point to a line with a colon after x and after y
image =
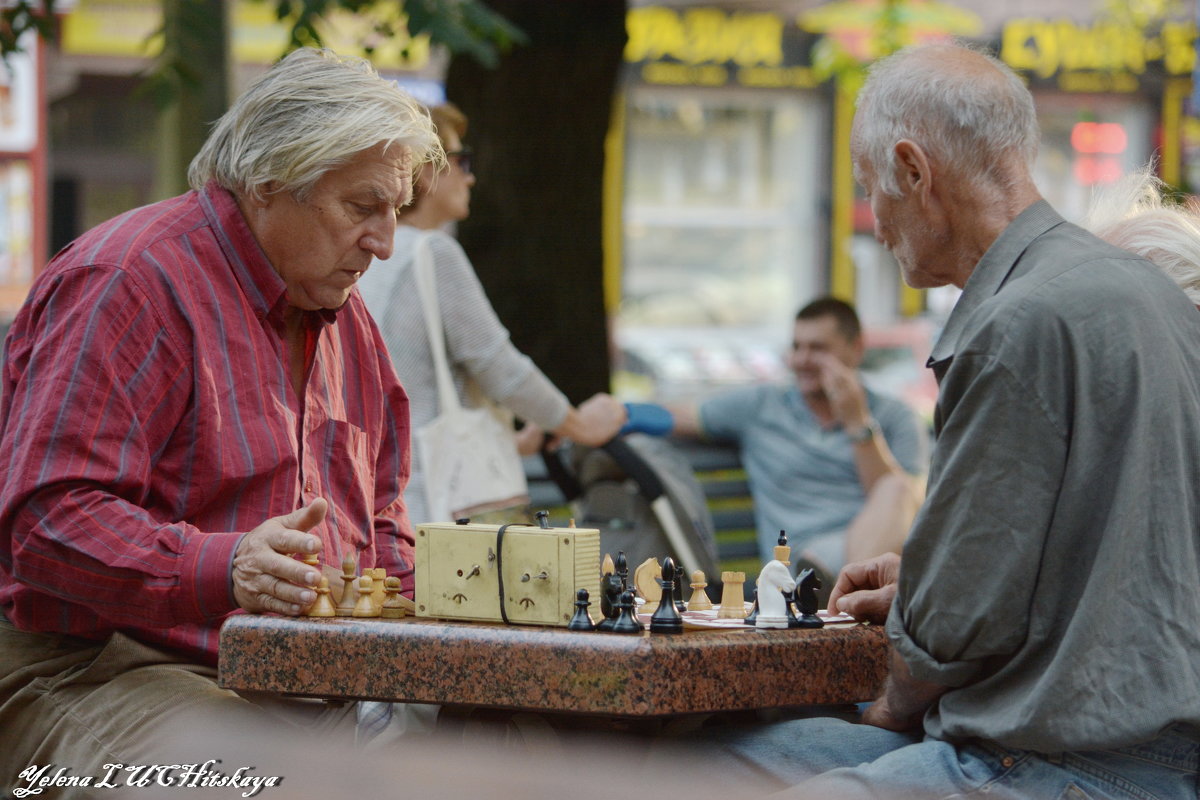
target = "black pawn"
x: 752, y: 617
x: 807, y: 584
x: 626, y: 622
x: 581, y: 621
x: 666, y: 617
x: 610, y: 596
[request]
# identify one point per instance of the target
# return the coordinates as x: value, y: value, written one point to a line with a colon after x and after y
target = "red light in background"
x: 1091, y: 170
x: 1098, y: 137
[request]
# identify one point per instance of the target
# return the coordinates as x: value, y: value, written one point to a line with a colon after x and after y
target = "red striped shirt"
x: 147, y: 420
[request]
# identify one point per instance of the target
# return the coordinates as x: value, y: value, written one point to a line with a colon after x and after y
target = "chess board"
x: 708, y: 620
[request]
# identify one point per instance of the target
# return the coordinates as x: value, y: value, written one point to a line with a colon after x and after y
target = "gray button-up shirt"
x: 1053, y: 574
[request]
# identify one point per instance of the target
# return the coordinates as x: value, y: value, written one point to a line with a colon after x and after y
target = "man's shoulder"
x: 124, y: 240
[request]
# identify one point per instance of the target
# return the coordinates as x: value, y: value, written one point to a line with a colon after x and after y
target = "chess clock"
x: 520, y: 574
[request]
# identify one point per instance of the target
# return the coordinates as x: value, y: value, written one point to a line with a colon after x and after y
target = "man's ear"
x: 265, y: 194
x: 913, y: 170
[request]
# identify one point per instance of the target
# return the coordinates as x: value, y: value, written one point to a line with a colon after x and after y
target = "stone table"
x: 552, y: 669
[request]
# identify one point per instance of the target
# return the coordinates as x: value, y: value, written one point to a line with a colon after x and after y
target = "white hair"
x: 973, y: 119
x: 1132, y: 214
x: 310, y: 113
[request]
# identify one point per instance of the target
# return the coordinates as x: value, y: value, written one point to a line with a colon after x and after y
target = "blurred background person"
x: 482, y: 358
x: 1133, y: 214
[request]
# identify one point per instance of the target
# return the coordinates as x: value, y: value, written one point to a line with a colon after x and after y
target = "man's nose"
x: 378, y: 239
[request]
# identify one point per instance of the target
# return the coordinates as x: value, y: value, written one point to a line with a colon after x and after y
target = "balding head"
x: 966, y: 110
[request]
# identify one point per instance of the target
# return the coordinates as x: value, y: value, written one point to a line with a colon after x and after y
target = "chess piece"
x: 345, y: 606
x: 752, y: 617
x: 793, y: 621
x: 699, y: 601
x: 807, y: 584
x: 666, y: 617
x: 581, y: 621
x: 680, y: 606
x: 607, y: 567
x: 623, y: 571
x: 312, y: 560
x: 646, y: 583
x: 365, y: 605
x: 610, y: 596
x: 626, y: 621
x: 378, y: 587
x: 323, y: 606
x: 393, y: 606
x: 733, y: 606
x: 773, y: 581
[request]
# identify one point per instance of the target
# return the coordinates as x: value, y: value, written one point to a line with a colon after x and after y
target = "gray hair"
x: 310, y: 113
x: 1132, y: 214
x: 973, y: 119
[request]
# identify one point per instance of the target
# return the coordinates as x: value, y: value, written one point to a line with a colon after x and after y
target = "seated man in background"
x: 193, y: 395
x: 831, y: 462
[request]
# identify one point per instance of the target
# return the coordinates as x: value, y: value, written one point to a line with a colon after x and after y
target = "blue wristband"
x: 648, y: 418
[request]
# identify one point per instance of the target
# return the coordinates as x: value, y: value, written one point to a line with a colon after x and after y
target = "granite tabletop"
x: 552, y: 669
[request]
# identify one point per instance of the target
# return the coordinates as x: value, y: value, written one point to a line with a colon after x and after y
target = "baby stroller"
x: 640, y: 493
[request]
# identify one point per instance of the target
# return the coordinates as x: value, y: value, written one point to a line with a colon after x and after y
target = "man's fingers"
x: 308, y: 517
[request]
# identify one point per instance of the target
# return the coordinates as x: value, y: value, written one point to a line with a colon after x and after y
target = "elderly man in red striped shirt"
x: 192, y: 394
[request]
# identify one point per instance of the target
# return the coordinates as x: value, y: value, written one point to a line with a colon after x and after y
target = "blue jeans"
x: 831, y: 758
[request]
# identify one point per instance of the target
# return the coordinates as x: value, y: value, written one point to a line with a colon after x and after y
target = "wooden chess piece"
x: 774, y: 583
x: 807, y: 584
x: 626, y: 621
x: 733, y: 604
x: 378, y: 587
x: 365, y: 605
x: 666, y: 617
x: 312, y: 560
x: 393, y: 607
x: 699, y: 601
x: 623, y: 571
x: 752, y: 617
x: 581, y: 621
x: 607, y: 567
x: 323, y: 605
x: 646, y: 584
x: 345, y: 606
x: 792, y: 620
x: 680, y: 606
x: 610, y: 596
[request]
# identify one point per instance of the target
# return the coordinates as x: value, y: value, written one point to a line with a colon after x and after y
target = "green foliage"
x: 22, y: 16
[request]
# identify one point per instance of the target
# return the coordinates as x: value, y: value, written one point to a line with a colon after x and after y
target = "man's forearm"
x: 905, y: 699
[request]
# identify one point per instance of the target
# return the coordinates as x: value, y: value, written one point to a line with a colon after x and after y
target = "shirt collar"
x: 992, y: 271
x: 264, y: 289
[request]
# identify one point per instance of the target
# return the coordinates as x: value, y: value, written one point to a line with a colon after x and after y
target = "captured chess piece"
x: 699, y: 601
x: 666, y: 617
x: 393, y: 605
x: 774, y: 580
x: 626, y: 621
x: 733, y: 606
x: 647, y: 584
x: 807, y: 585
x: 752, y: 617
x: 345, y: 606
x: 610, y: 596
x: 365, y: 605
x: 581, y: 621
x: 323, y: 606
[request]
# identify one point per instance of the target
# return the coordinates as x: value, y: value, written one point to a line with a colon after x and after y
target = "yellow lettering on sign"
x: 777, y: 77
x: 1045, y: 47
x: 664, y: 73
x: 703, y: 36
x: 1179, y: 47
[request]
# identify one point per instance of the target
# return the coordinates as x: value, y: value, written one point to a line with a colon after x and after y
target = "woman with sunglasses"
x: 481, y: 356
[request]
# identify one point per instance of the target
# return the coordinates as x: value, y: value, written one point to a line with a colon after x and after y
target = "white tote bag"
x: 469, y: 455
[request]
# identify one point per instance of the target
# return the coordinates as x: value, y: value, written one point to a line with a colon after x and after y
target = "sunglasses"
x: 462, y: 158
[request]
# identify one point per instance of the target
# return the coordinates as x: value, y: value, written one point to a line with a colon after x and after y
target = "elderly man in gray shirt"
x: 1044, y: 622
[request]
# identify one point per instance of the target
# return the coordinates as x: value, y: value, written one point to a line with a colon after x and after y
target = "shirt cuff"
x: 921, y: 664
x: 206, y: 576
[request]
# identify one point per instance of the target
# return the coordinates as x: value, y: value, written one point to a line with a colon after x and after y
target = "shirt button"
x: 1007, y: 761
x: 308, y: 486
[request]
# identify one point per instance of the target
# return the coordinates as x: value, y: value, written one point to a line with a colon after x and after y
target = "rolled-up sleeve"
x: 971, y: 565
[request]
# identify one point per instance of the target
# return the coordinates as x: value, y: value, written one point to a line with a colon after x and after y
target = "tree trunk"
x: 537, y: 124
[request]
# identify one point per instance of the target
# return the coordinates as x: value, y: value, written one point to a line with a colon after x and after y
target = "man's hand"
x: 265, y: 576
x: 844, y: 389
x: 865, y: 589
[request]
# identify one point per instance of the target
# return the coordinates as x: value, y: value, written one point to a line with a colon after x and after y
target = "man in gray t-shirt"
x: 835, y: 465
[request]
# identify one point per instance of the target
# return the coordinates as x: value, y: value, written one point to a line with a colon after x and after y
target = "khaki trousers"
x: 78, y: 705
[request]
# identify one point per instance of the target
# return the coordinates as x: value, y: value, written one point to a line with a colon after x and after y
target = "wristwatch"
x: 865, y: 433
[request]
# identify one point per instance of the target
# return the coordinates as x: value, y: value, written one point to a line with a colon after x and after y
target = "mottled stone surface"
x: 552, y: 669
